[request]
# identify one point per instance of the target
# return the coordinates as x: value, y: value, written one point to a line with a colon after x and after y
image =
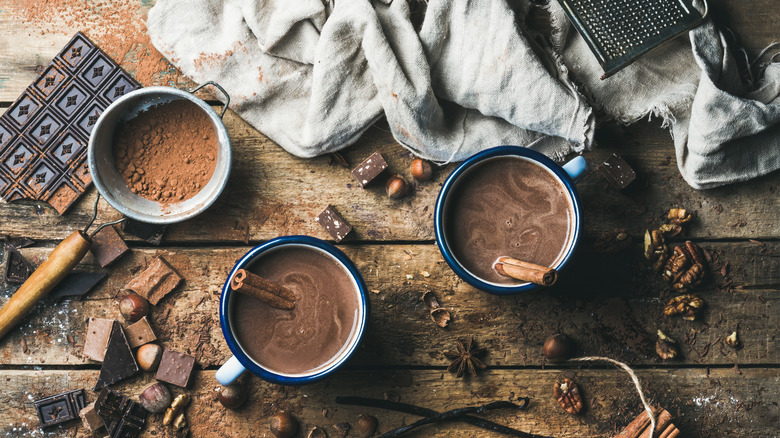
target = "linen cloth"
x: 313, y: 76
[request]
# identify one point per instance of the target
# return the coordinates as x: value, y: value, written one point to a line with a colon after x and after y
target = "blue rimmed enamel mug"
x: 241, y: 362
x: 567, y: 175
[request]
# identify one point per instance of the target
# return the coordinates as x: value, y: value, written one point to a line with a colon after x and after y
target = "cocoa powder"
x: 167, y: 153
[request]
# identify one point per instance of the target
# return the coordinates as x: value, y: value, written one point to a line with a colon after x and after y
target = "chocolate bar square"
x: 334, y: 223
x: 175, y: 368
x: 617, y: 172
x: 44, y: 133
x: 140, y: 333
x: 122, y: 417
x: 57, y: 409
x: 90, y: 418
x: 96, y: 340
x: 18, y: 269
x: 107, y: 246
x: 369, y: 169
x: 156, y: 281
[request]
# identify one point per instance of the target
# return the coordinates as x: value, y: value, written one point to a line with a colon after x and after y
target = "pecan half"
x: 686, y: 268
x: 686, y: 305
x: 676, y: 266
x: 612, y: 241
x: 568, y: 395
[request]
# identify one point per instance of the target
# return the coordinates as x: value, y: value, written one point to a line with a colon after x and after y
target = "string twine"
x: 634, y: 378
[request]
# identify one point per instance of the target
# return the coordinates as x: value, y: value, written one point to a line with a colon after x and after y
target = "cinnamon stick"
x: 524, y: 271
x: 257, y: 287
x: 640, y: 427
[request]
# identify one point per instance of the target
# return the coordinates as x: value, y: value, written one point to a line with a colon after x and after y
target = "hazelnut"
x: 133, y: 307
x: 367, y: 425
x: 317, y: 433
x: 396, y: 186
x: 148, y: 356
x: 284, y: 425
x: 557, y: 348
x: 342, y: 428
x: 421, y: 170
x: 232, y: 396
x: 155, y: 398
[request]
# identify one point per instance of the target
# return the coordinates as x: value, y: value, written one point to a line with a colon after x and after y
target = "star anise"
x: 464, y: 359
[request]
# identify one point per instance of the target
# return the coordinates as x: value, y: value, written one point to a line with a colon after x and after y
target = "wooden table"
x: 612, y: 305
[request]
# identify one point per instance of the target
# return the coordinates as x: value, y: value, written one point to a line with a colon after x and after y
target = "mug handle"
x: 576, y: 168
x: 229, y: 372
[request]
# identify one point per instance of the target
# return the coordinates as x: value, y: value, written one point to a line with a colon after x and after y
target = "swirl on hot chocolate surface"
x: 311, y: 335
x: 507, y: 206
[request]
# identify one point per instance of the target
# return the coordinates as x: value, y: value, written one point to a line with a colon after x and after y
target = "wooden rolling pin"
x: 60, y: 262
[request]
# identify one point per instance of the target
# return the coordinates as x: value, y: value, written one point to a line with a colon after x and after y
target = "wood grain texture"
x: 610, y: 305
x: 718, y: 402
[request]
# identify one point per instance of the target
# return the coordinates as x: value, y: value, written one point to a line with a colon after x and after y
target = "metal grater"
x: 620, y: 31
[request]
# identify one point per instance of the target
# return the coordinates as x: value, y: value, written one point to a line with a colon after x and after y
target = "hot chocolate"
x: 508, y: 206
x: 320, y: 326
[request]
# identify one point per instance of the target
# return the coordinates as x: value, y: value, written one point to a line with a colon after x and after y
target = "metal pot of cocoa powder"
x: 160, y: 155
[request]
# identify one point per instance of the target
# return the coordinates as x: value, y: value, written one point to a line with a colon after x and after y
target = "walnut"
x: 613, y: 241
x: 656, y: 250
x: 679, y: 216
x: 666, y: 347
x: 670, y: 229
x: 568, y: 396
x: 686, y: 305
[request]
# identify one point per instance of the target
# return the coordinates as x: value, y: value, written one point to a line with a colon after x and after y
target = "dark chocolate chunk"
x: 44, y: 133
x: 18, y: 268
x: 175, y: 368
x: 119, y: 362
x: 76, y: 284
x: 617, y: 172
x: 334, y: 224
x: 369, y: 169
x: 107, y: 246
x: 59, y: 408
x: 149, y: 232
x: 122, y: 417
x: 19, y: 242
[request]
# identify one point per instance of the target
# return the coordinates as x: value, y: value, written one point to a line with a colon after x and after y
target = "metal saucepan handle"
x: 219, y: 87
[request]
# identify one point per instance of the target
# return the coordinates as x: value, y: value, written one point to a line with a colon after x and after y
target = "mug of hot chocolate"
x: 508, y: 219
x: 293, y: 310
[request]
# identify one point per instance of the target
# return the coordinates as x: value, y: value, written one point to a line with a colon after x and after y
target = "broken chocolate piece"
x: 96, y: 341
x: 334, y: 223
x: 122, y: 417
x: 151, y: 233
x: 19, y: 242
x: 369, y: 169
x: 76, y: 284
x: 140, y: 333
x: 44, y: 134
x: 59, y: 408
x: 90, y: 418
x: 156, y: 281
x: 617, y: 172
x: 119, y: 362
x: 107, y: 246
x: 18, y: 268
x: 175, y: 368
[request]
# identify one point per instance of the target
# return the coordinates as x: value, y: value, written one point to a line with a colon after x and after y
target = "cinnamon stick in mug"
x: 262, y: 289
x: 524, y: 271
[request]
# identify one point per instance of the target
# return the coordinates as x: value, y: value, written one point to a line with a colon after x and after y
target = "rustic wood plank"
x: 717, y: 402
x: 610, y: 305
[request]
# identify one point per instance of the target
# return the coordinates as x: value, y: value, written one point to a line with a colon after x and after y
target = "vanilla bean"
x: 425, y: 412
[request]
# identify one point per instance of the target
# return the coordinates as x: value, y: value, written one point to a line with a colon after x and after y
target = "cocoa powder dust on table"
x: 167, y: 153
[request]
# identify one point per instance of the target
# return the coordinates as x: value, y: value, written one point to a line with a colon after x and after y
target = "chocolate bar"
x: 107, y: 246
x: 140, y: 333
x: 18, y: 268
x: 617, y: 172
x: 369, y: 169
x: 151, y: 233
x: 156, y: 281
x: 119, y: 362
x: 122, y: 417
x: 57, y: 409
x: 76, y: 284
x: 96, y: 340
x: 90, y: 418
x: 334, y: 223
x: 44, y: 133
x: 175, y: 368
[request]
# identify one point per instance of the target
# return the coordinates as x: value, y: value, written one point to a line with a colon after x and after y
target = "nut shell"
x: 317, y: 433
x: 557, y: 348
x: 283, y: 425
x: 133, y: 307
x: 232, y: 396
x: 148, y: 357
x: 366, y: 426
x: 441, y: 316
x: 155, y: 398
x: 421, y: 170
x: 396, y: 186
